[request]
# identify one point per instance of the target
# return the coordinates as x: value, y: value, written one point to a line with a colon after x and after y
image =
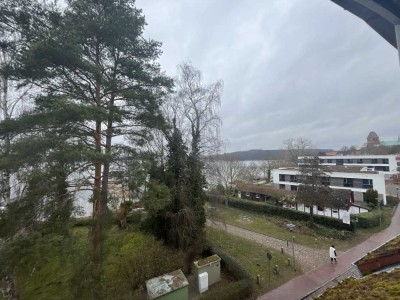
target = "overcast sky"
x: 290, y: 68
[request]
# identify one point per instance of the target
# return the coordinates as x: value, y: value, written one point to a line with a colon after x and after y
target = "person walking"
x: 332, y: 253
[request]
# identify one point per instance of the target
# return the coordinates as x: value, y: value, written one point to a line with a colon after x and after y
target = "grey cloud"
x: 290, y: 68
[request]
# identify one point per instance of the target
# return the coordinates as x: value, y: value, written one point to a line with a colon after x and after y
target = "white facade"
x: 327, y: 212
x: 338, y: 180
x: 385, y: 164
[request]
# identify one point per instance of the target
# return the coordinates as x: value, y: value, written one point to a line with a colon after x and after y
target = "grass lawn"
x: 253, y: 257
x: 318, y: 237
x: 55, y: 267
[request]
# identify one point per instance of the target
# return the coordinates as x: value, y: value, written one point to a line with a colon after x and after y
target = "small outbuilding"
x: 170, y: 286
x: 211, y: 265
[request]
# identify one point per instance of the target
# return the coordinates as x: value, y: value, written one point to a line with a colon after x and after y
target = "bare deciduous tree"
x: 252, y: 172
x: 314, y: 185
x: 195, y: 106
x: 225, y: 171
x: 297, y: 147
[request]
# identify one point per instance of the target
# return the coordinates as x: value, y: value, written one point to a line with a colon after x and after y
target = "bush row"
x: 392, y: 201
x: 366, y: 220
x: 240, y: 289
x: 132, y: 218
x: 269, y: 209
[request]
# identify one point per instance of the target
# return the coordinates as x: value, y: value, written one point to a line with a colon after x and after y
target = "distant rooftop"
x: 390, y: 143
x: 372, y: 135
x: 338, y: 169
x: 341, y: 156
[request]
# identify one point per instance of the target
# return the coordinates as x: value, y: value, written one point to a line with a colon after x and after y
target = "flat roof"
x: 338, y: 169
x: 165, y: 284
x: 350, y: 156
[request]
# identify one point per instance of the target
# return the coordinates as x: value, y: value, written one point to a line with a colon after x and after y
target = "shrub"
x: 231, y: 264
x: 392, y: 201
x: 133, y: 218
x: 371, y: 197
x: 269, y: 209
x: 367, y: 220
x: 237, y: 290
x: 84, y: 221
x: 140, y: 258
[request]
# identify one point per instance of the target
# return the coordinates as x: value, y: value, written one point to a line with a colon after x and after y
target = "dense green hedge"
x: 269, y: 209
x: 367, y: 220
x: 392, y: 201
x: 238, y: 290
x: 132, y: 218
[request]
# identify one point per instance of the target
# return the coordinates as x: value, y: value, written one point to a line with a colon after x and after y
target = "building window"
x: 329, y: 161
x: 321, y: 161
x: 293, y: 188
x: 374, y: 161
x: 367, y: 184
x: 257, y: 196
x: 339, y: 162
x: 282, y: 186
x: 359, y: 161
x: 385, y: 161
x: 293, y: 178
x: 382, y: 168
x: 348, y: 182
x: 349, y: 161
x: 281, y: 177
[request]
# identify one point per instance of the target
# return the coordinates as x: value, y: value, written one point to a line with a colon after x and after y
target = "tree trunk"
x: 97, y: 229
x: 106, y: 168
x: 97, y: 207
x: 312, y: 214
x: 7, y: 142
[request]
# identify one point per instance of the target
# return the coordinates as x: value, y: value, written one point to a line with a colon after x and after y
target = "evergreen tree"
x: 45, y: 154
x: 196, y: 105
x: 180, y: 217
x: 93, y: 53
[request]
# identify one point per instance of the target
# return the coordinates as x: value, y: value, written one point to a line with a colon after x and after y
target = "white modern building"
x: 346, y: 178
x: 386, y: 164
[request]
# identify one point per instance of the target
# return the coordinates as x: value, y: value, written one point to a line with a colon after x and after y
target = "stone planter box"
x: 368, y: 266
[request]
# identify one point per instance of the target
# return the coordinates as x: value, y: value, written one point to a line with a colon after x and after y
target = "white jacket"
x: 332, y: 252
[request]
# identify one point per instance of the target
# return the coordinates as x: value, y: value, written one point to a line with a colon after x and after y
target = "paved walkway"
x: 308, y: 257
x: 301, y: 286
x: 351, y: 272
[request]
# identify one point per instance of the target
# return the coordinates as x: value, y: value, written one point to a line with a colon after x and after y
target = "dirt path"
x: 309, y: 258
